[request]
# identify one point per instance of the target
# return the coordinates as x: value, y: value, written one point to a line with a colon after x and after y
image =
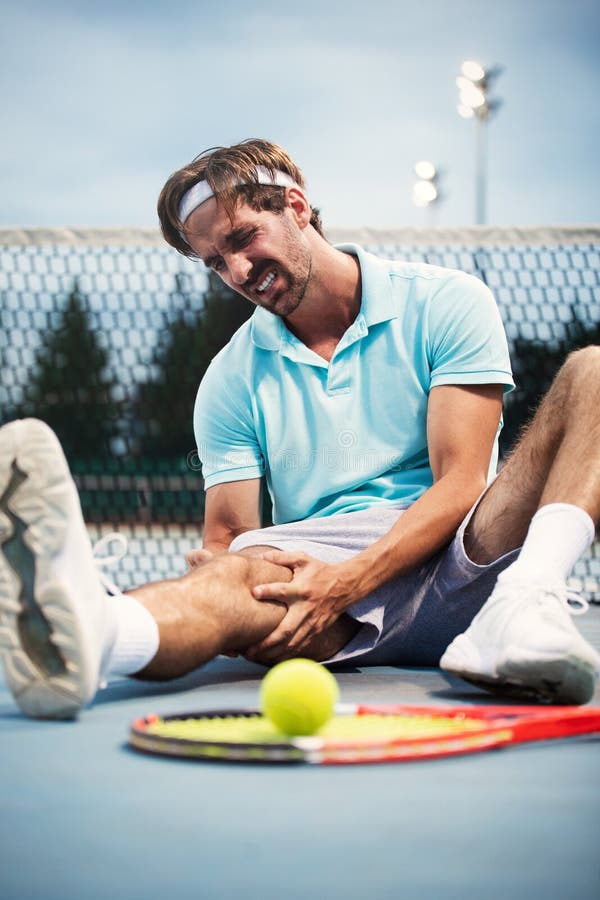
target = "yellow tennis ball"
x: 298, y: 696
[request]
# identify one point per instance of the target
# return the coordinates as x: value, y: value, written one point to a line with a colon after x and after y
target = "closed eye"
x: 216, y: 263
x: 238, y: 239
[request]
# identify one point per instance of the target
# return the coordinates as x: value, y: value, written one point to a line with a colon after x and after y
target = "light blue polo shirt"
x: 342, y: 436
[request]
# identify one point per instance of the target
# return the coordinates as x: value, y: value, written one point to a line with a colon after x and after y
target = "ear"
x: 298, y: 203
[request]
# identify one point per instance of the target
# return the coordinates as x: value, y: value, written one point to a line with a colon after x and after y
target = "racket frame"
x: 500, y: 726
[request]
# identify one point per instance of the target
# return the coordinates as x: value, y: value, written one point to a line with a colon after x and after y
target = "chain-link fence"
x: 105, y: 334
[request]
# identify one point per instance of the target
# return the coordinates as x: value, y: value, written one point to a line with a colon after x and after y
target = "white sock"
x: 559, y: 534
x: 137, y: 637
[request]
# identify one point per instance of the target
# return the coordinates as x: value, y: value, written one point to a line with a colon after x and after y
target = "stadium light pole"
x: 475, y: 103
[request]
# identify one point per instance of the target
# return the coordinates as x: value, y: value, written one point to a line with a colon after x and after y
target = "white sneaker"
x: 55, y: 623
x: 522, y: 643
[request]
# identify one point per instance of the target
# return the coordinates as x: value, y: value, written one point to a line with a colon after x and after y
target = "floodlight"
x: 425, y: 170
x: 474, y: 71
x: 424, y: 193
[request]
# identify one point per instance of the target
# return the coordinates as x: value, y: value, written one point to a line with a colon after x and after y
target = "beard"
x: 292, y: 277
x: 291, y: 296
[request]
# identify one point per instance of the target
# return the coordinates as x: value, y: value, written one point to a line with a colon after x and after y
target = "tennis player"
x: 367, y: 395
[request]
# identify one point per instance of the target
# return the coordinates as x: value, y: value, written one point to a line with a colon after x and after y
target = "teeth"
x: 266, y: 282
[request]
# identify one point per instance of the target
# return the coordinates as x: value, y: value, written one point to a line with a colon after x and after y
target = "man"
x: 367, y: 394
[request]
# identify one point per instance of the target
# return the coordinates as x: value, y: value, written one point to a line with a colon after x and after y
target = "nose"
x: 239, y: 268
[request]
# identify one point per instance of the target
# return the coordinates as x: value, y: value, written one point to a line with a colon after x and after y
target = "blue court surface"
x: 85, y: 818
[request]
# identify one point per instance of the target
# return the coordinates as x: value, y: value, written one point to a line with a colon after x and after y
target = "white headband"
x: 200, y: 192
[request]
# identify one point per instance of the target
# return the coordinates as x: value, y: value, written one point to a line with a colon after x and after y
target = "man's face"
x: 264, y: 256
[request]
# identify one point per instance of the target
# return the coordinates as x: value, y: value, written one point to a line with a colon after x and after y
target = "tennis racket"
x: 359, y: 734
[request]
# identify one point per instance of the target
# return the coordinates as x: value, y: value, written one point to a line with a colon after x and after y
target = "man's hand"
x: 316, y: 597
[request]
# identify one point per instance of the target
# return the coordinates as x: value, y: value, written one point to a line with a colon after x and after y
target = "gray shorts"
x: 409, y: 620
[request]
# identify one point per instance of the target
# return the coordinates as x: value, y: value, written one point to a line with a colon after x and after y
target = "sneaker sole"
x: 566, y: 680
x: 562, y: 680
x: 40, y: 640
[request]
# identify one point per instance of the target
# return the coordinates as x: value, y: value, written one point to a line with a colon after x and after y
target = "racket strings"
x: 369, y: 727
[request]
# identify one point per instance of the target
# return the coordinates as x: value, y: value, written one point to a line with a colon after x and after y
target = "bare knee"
x: 220, y: 577
x: 582, y: 365
x: 232, y: 566
x: 197, y: 614
x: 575, y: 389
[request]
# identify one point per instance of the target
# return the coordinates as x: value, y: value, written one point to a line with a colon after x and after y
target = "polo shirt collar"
x: 376, y: 303
x: 269, y: 332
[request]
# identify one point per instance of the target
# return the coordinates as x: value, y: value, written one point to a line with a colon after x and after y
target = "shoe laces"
x: 106, y: 560
x: 575, y: 603
x: 568, y: 599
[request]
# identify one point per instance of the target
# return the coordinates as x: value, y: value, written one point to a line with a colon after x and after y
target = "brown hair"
x: 231, y: 174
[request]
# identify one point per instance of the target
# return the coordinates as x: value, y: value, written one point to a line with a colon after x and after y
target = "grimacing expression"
x: 262, y: 255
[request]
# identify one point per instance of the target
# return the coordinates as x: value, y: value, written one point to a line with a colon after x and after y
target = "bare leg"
x: 557, y: 460
x: 523, y: 643
x: 57, y: 626
x: 211, y: 610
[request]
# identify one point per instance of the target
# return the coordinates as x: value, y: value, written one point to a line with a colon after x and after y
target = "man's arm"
x: 462, y: 422
x: 230, y: 509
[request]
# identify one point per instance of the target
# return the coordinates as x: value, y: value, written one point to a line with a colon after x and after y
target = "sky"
x: 101, y: 101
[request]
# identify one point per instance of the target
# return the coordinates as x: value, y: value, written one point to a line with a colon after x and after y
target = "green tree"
x: 70, y: 388
x: 535, y: 365
x: 190, y: 340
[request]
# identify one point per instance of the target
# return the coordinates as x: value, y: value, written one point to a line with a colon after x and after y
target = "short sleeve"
x: 224, y: 430
x: 466, y: 342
